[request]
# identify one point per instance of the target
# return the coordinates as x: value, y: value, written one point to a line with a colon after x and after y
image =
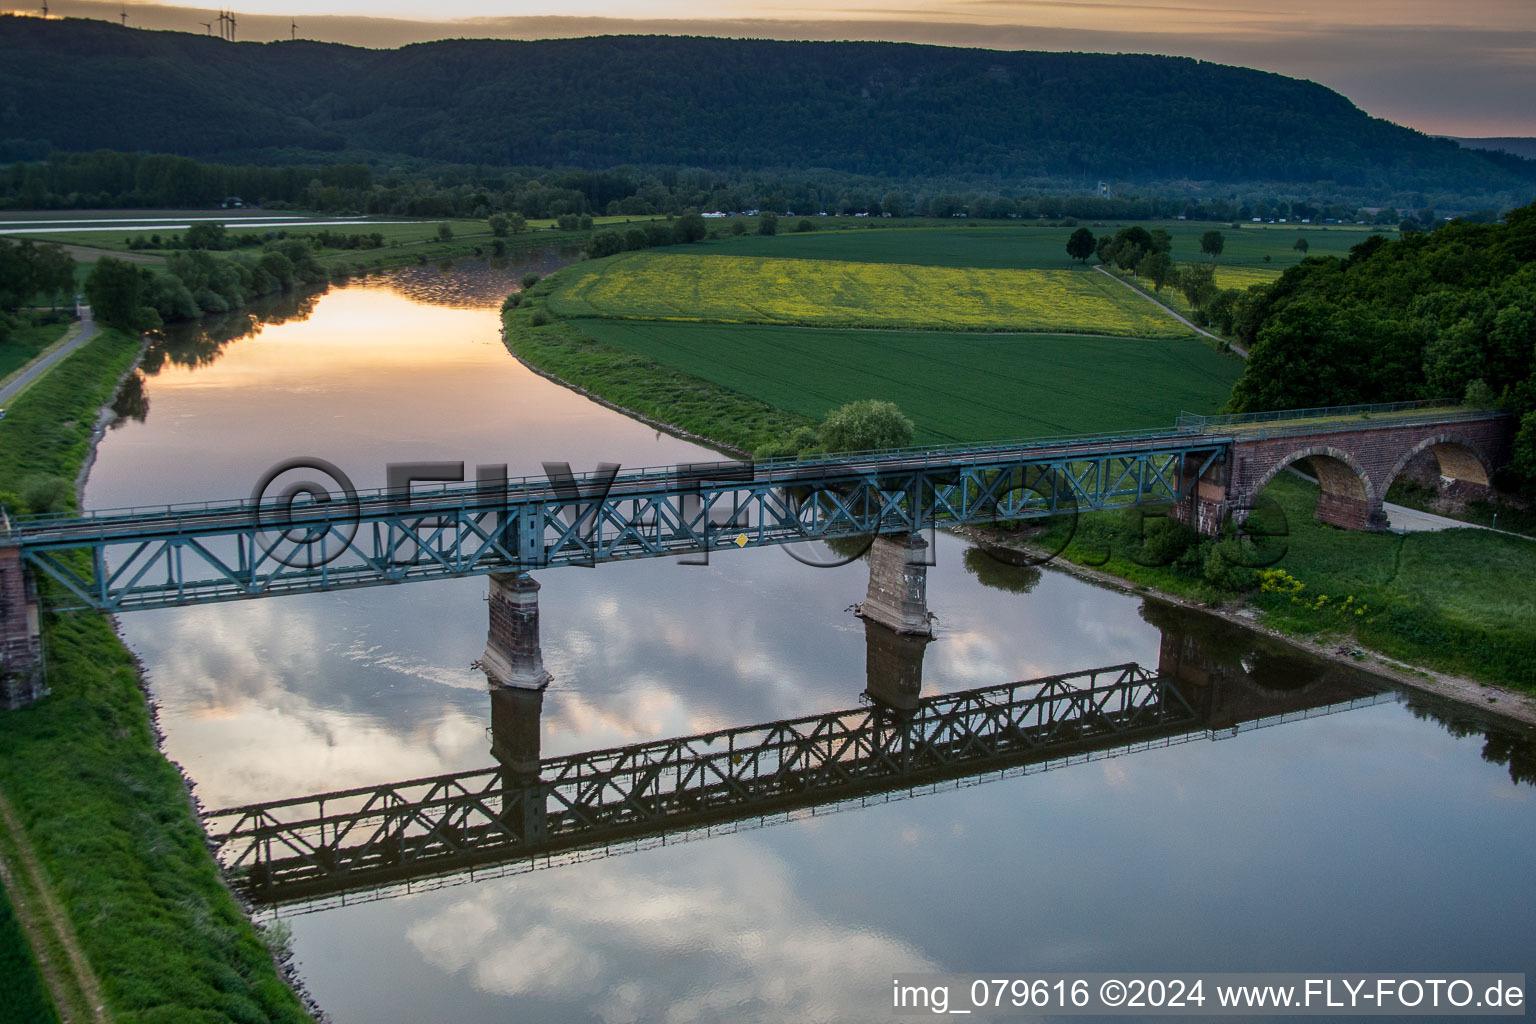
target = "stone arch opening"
x: 1346, y: 497
x: 1444, y: 462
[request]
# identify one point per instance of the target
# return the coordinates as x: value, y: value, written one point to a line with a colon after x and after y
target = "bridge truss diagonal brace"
x: 162, y: 558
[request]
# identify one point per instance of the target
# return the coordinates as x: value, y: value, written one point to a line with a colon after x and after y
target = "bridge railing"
x: 1330, y: 418
x: 786, y: 470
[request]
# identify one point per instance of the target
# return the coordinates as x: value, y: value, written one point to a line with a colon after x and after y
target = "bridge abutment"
x: 898, y: 585
x: 22, y: 680
x: 1207, y: 504
x: 512, y: 654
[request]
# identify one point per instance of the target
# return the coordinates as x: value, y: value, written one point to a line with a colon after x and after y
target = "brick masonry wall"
x: 1374, y: 455
x: 21, y: 647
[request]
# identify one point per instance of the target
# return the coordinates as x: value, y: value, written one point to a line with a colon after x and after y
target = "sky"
x: 1465, y: 68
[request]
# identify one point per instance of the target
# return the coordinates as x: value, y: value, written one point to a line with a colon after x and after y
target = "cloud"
x: 712, y: 938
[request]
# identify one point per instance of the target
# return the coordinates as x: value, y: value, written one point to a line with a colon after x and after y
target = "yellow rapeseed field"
x: 1243, y: 277
x: 827, y: 293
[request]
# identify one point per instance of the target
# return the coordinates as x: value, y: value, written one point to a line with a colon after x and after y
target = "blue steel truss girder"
x: 296, y: 849
x: 242, y: 550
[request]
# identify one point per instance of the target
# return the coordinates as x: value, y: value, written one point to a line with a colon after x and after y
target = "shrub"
x: 43, y: 494
x: 866, y: 426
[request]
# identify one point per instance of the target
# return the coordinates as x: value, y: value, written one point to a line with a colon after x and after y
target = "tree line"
x: 196, y: 282
x: 1448, y: 313
x: 29, y: 273
x: 105, y: 179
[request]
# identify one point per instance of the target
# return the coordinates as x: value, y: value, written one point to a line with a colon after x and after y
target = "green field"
x: 26, y: 343
x: 1025, y: 248
x: 834, y: 293
x: 955, y: 387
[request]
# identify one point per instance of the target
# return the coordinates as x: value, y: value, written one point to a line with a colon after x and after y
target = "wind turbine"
x: 207, y: 25
x: 124, y: 15
x: 293, y: 28
x: 231, y: 26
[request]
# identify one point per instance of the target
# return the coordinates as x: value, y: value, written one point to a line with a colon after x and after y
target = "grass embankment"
x: 835, y: 293
x: 107, y: 817
x: 660, y: 393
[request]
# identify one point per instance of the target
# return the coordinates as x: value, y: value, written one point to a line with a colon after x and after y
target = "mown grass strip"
x: 26, y: 999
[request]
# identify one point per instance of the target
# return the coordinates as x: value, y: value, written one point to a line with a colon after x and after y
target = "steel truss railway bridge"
x: 528, y: 813
x: 316, y: 537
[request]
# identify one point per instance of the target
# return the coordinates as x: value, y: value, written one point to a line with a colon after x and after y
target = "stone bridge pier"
x: 512, y: 654
x: 22, y: 679
x: 1354, y: 461
x: 514, y: 668
x: 898, y: 584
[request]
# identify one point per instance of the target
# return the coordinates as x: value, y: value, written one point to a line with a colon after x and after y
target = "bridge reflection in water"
x: 529, y: 812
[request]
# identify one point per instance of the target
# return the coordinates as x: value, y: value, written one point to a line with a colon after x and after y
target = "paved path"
x: 1173, y: 313
x: 43, y: 363
x: 1412, y: 520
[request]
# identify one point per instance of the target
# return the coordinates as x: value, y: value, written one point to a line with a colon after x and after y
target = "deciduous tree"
x: 1080, y: 244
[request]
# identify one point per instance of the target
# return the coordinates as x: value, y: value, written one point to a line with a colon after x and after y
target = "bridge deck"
x: 170, y: 555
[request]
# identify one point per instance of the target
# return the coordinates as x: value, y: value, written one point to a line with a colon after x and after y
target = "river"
x: 1393, y: 834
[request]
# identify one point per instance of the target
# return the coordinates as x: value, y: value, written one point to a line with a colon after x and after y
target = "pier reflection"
x: 528, y: 811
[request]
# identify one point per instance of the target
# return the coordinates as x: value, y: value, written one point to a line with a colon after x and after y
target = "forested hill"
x: 896, y: 110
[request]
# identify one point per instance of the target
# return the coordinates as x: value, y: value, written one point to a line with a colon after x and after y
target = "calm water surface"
x: 1394, y: 836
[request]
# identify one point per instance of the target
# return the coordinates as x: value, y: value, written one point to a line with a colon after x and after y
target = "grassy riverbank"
x: 106, y: 817
x: 1458, y: 601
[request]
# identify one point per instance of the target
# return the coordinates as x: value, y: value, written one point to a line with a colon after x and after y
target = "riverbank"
x: 1342, y: 650
x: 110, y: 822
x: 1451, y: 608
x: 668, y: 399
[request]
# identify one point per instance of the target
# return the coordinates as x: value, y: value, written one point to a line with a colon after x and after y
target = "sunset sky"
x: 1466, y: 68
